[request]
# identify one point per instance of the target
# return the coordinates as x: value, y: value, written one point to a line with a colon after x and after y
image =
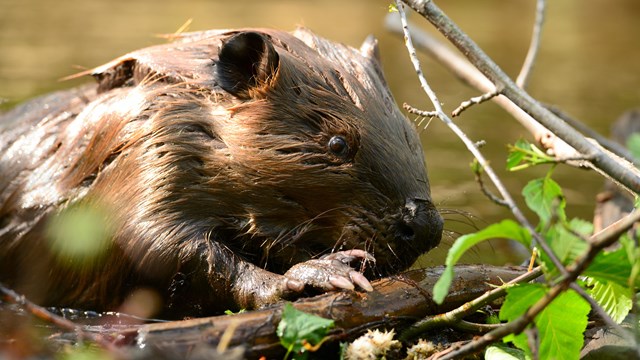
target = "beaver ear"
x: 246, y: 60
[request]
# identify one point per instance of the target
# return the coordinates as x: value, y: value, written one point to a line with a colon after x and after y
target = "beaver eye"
x: 338, y: 146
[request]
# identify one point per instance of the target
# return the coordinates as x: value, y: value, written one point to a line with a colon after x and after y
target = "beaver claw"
x: 331, y: 272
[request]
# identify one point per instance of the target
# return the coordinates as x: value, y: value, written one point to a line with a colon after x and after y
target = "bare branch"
x: 487, y: 192
x: 506, y: 196
x: 468, y: 74
x: 629, y: 177
x: 474, y: 100
x: 419, y: 112
x: 529, y: 60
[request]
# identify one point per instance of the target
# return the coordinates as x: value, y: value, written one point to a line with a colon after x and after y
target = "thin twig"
x: 450, y: 318
x: 624, y: 175
x: 530, y: 59
x: 42, y: 313
x: 473, y: 101
x: 491, y: 196
x: 537, y: 239
x: 475, y: 328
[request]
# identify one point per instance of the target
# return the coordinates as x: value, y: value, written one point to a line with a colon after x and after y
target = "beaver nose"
x: 420, y: 225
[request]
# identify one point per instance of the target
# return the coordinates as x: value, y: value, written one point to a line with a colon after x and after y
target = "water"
x: 588, y: 65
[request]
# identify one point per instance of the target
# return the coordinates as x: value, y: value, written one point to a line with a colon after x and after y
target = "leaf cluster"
x: 610, y: 279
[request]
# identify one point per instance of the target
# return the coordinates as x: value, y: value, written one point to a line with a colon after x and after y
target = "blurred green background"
x: 588, y: 65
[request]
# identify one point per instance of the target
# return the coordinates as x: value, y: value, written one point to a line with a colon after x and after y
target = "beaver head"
x: 281, y: 147
x: 321, y: 154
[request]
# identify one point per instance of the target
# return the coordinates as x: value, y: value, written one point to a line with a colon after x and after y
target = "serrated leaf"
x: 560, y: 325
x: 565, y: 244
x: 613, y: 266
x: 506, y: 229
x: 518, y: 300
x: 296, y: 326
x: 544, y: 197
x: 613, y: 298
x: 581, y: 226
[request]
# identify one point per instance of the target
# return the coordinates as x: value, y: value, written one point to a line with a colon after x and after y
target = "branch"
x: 523, y: 77
x: 468, y: 74
x: 471, y: 146
x: 456, y: 315
x: 473, y: 101
x: 627, y: 176
x: 42, y: 313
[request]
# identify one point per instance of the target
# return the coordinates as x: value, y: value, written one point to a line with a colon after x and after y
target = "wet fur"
x: 196, y: 183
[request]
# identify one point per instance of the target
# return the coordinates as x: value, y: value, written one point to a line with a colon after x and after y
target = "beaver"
x: 225, y: 169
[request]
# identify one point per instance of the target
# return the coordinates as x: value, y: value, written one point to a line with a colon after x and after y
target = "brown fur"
x: 212, y: 183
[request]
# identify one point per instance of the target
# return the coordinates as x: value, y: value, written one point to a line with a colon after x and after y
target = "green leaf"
x: 507, y: 229
x: 83, y: 352
x: 518, y: 300
x: 560, y: 325
x: 502, y: 352
x: 476, y: 167
x: 296, y: 327
x: 230, y: 312
x: 633, y: 144
x: 544, y: 197
x: 612, y: 297
x: 523, y: 154
x: 613, y: 266
x: 564, y: 243
x: 516, y: 155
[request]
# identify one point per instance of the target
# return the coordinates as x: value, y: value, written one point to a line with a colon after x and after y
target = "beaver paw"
x: 331, y: 272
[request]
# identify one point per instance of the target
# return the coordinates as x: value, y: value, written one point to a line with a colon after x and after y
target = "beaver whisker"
x: 450, y: 234
x: 464, y: 214
x: 461, y: 221
x: 286, y: 238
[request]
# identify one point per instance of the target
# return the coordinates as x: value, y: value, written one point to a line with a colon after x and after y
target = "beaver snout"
x: 420, y: 224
